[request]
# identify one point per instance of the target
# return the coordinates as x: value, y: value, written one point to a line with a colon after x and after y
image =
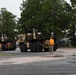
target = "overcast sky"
x: 12, y: 6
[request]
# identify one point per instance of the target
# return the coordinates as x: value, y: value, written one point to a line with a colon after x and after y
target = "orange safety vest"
x: 51, y: 42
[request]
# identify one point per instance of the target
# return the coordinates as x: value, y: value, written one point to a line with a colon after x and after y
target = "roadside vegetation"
x: 46, y: 16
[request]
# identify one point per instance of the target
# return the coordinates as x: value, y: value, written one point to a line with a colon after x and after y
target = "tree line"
x: 46, y: 16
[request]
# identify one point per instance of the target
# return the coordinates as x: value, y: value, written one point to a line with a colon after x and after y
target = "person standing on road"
x: 51, y: 44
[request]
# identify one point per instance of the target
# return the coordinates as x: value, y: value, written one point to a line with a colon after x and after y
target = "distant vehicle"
x: 64, y: 42
x: 34, y: 42
x: 6, y: 44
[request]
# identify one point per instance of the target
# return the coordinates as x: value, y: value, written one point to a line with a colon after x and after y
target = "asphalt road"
x: 61, y: 62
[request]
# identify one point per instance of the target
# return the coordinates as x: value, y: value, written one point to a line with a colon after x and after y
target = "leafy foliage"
x: 46, y: 16
x: 7, y: 22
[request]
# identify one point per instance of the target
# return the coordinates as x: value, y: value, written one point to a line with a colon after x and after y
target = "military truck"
x: 30, y: 40
x: 34, y: 41
x: 6, y: 44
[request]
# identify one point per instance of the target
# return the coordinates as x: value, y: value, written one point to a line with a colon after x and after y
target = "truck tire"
x: 23, y: 47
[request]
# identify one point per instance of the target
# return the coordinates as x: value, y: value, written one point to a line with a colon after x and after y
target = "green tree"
x: 7, y: 22
x: 30, y: 9
x: 56, y: 16
x: 73, y: 22
x: 46, y: 16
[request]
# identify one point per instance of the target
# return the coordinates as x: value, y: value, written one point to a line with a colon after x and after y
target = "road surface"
x: 61, y: 62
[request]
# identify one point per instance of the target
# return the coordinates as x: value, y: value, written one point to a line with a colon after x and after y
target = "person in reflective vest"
x: 51, y: 44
